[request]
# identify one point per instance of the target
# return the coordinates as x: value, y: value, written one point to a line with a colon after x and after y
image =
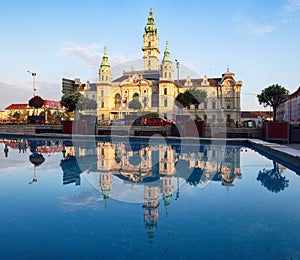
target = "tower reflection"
x: 149, y: 173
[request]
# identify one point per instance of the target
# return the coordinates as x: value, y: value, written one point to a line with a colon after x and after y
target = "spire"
x: 166, y: 58
x: 150, y: 26
x: 105, y: 59
x: 167, y: 199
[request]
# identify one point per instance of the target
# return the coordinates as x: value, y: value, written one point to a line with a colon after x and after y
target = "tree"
x: 197, y: 97
x: 192, y: 96
x: 36, y: 102
x: 91, y: 104
x: 135, y: 104
x: 273, y: 96
x: 86, y: 103
x: 70, y: 101
x: 182, y: 100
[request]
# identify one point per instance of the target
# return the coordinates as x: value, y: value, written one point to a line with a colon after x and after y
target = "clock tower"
x: 150, y: 47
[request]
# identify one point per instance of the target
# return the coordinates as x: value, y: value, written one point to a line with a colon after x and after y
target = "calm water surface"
x: 60, y: 199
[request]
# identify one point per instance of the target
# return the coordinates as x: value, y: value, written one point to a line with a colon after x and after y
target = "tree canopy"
x: 273, y: 96
x: 191, y: 97
x: 78, y: 102
x: 85, y: 103
x: 70, y: 101
x: 135, y: 104
x: 36, y: 102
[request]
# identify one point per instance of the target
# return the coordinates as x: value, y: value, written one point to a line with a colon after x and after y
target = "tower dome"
x: 150, y: 26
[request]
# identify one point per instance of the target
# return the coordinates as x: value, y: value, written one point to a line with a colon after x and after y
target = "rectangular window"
x: 102, y: 93
x: 165, y: 103
x: 165, y: 91
x: 213, y: 105
x: 205, y: 105
x: 102, y: 103
x: 165, y: 166
x: 166, y: 155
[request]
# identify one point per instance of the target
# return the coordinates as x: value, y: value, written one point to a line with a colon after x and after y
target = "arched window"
x: 136, y: 96
x: 118, y: 100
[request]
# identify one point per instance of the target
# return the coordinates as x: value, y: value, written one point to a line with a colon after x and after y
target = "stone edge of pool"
x: 288, y: 156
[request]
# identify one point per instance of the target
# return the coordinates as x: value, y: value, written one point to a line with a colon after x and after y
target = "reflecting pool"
x: 145, y: 199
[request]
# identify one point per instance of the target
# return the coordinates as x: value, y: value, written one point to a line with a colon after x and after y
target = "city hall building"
x: 156, y: 87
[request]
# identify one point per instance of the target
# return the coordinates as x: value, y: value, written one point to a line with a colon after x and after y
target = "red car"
x: 157, y: 121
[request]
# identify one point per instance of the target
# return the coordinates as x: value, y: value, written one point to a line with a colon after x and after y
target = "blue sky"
x: 258, y: 40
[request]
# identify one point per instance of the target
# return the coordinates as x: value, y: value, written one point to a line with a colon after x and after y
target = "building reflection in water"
x: 154, y: 168
x: 154, y: 173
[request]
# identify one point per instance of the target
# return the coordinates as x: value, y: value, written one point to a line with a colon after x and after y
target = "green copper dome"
x: 167, y: 57
x: 150, y: 26
x: 105, y: 59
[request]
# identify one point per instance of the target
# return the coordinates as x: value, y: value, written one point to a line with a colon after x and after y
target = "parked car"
x: 140, y: 121
x: 157, y: 121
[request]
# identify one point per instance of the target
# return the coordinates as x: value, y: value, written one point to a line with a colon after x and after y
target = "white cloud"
x: 85, y: 52
x: 260, y: 29
x: 89, y: 53
x: 84, y: 199
x: 292, y: 5
x: 251, y: 27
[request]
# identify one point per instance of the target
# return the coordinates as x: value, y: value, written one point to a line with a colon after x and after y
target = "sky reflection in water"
x: 109, y: 200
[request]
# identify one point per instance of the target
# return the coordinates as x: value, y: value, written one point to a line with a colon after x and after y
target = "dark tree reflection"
x: 272, y: 179
x: 195, y: 177
x: 71, y: 170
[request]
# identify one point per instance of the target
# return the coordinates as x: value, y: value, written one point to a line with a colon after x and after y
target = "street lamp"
x: 177, y: 66
x: 33, y: 74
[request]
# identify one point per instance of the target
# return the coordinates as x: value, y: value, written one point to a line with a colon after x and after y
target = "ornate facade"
x: 156, y: 88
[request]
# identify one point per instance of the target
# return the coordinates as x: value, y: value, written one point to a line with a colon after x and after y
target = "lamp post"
x: 33, y: 74
x: 177, y: 67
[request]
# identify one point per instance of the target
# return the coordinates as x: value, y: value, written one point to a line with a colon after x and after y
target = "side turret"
x: 105, y: 75
x: 167, y: 70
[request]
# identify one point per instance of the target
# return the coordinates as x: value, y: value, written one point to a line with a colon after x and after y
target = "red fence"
x: 277, y: 131
x: 74, y: 127
x: 194, y: 128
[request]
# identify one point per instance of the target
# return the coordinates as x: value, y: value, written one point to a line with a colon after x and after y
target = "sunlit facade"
x: 156, y: 87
